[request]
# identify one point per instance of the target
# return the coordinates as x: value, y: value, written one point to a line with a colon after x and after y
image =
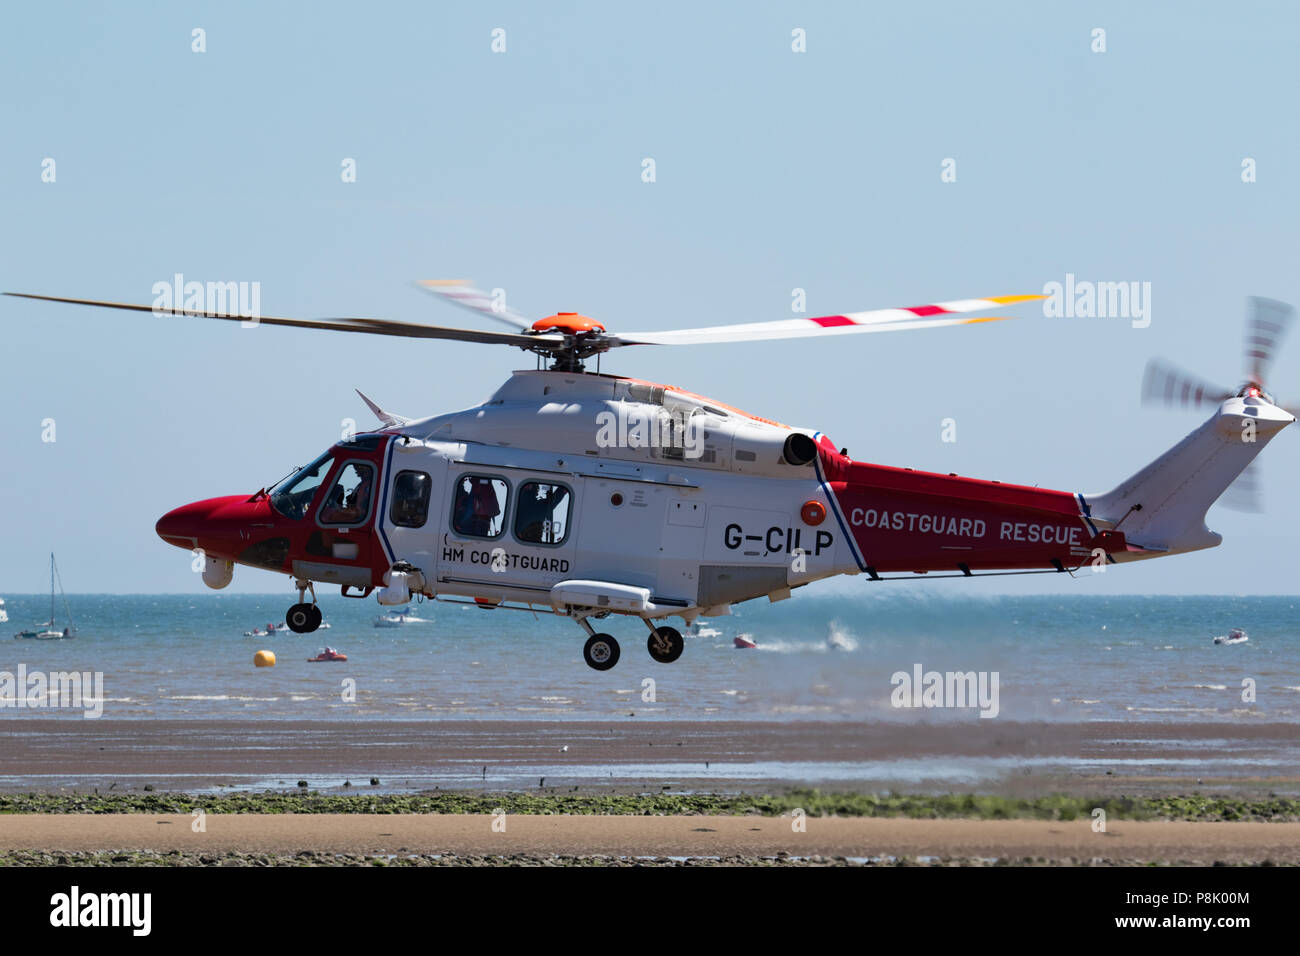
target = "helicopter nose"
x: 182, y: 526
x: 200, y: 521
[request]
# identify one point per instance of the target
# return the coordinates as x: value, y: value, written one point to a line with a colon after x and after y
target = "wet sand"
x: 739, y: 838
x: 1012, y: 759
x: 989, y: 756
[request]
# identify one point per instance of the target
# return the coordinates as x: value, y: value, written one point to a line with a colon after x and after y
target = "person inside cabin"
x: 334, y: 505
x: 486, y: 508
x: 477, y: 506
x: 344, y: 506
x: 464, y: 510
x: 538, y: 503
x: 359, y: 501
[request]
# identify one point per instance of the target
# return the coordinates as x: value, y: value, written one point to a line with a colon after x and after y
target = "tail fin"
x: 1162, y: 508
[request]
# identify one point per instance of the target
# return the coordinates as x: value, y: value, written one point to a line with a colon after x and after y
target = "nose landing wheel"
x: 600, y: 652
x: 303, y: 618
x: 665, y: 644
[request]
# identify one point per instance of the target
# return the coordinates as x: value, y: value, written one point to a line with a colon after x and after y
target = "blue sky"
x: 522, y: 170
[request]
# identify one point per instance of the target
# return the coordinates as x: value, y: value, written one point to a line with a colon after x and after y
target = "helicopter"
x: 590, y: 495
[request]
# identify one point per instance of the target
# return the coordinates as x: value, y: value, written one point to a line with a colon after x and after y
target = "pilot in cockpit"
x: 359, y: 501
x: 348, y: 507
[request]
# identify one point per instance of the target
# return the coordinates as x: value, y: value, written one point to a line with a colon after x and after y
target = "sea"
x: 826, y: 658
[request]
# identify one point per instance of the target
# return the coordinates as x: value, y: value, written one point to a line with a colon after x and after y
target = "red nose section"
x: 217, y: 525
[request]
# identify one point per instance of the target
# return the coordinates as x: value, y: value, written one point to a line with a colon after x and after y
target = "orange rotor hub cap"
x: 568, y: 322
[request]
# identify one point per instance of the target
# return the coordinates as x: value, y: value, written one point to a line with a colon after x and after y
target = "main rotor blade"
x: 879, y: 320
x: 1266, y: 324
x: 462, y: 293
x: 371, y: 326
x: 1168, y: 384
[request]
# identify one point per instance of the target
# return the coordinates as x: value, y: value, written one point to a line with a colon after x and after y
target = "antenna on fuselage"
x: 386, y: 418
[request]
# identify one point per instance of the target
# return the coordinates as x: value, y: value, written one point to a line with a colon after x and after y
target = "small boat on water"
x: 327, y: 654
x: 1234, y: 636
x: 398, y: 618
x: 49, y: 630
x: 744, y: 640
x: 4, y: 615
x: 271, y: 628
x: 702, y: 630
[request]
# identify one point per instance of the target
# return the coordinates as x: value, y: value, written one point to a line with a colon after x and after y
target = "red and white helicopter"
x: 589, y: 495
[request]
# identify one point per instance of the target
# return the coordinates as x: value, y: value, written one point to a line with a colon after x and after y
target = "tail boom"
x: 899, y: 520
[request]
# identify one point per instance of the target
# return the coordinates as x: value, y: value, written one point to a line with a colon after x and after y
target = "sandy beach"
x: 740, y: 838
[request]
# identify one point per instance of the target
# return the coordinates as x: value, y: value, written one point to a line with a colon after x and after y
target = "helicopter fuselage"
x: 593, y: 494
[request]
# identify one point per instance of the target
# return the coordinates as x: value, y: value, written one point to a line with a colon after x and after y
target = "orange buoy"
x: 264, y: 659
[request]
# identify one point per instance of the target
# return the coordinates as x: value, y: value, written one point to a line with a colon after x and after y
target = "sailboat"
x: 49, y: 632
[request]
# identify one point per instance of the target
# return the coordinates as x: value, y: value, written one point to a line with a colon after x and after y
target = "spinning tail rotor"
x: 1267, y: 322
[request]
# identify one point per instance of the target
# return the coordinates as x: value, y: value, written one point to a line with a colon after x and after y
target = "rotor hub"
x: 1254, y: 390
x: 570, y: 322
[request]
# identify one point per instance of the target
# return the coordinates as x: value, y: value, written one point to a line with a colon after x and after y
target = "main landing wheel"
x: 600, y: 652
x: 666, y: 644
x: 303, y: 618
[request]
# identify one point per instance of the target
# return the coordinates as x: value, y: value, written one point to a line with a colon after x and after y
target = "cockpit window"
x: 348, y: 501
x: 292, y: 497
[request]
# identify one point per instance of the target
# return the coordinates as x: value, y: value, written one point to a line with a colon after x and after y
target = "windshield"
x: 292, y: 496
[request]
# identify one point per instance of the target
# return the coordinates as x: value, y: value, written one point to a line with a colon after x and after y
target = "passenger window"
x: 410, y: 499
x: 542, y: 515
x: 348, y: 501
x: 480, y: 507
